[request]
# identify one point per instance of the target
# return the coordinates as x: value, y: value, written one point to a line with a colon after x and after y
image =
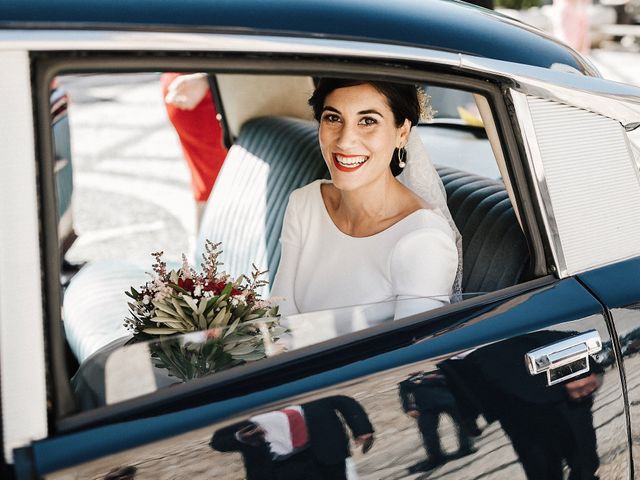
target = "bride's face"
x: 358, y: 135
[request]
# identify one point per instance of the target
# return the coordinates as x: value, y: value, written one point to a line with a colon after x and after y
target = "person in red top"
x: 191, y: 110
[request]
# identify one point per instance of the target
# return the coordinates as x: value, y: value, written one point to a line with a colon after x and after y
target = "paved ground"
x: 132, y: 193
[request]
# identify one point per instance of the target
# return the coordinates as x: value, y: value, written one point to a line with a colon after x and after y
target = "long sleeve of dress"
x: 283, y: 291
x: 423, y: 266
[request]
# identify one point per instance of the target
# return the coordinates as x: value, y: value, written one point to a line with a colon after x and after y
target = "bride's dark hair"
x: 407, y: 101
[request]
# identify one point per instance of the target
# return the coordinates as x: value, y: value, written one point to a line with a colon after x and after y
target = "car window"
x: 455, y: 134
x: 123, y: 369
x: 147, y: 235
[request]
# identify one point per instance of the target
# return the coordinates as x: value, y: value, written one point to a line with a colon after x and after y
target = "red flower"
x: 186, y: 284
x: 215, y: 287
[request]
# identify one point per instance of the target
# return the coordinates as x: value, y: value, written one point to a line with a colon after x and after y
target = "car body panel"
x: 563, y: 306
x: 22, y: 360
x: 618, y: 287
x: 449, y: 26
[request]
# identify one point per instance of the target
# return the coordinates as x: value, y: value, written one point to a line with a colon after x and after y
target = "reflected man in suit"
x: 549, y: 426
x: 299, y: 442
x: 425, y: 396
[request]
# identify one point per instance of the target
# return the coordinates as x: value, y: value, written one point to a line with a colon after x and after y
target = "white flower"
x: 186, y: 268
x: 262, y: 304
x: 198, y: 291
x: 146, y: 300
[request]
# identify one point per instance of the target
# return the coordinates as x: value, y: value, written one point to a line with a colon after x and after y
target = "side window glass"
x: 154, y: 189
x: 455, y: 135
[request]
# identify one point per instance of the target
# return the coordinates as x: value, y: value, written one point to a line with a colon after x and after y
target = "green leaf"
x: 234, y: 337
x: 257, y: 321
x: 202, y: 322
x: 227, y: 317
x: 159, y: 331
x: 226, y: 290
x: 191, y: 302
x: 210, y: 306
x: 172, y: 323
x: 229, y: 346
x: 231, y: 329
x: 242, y: 350
x: 251, y: 357
x: 163, y: 306
x: 218, y: 319
x: 202, y: 306
x: 179, y: 310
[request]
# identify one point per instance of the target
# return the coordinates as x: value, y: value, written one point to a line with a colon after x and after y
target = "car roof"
x: 436, y: 24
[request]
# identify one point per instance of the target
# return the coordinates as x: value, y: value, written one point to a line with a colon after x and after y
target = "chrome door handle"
x: 564, y: 359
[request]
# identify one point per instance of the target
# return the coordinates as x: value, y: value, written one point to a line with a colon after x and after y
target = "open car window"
x: 125, y: 369
x: 455, y: 134
x: 134, y: 196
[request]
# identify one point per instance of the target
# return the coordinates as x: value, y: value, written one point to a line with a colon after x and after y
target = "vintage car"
x: 530, y: 374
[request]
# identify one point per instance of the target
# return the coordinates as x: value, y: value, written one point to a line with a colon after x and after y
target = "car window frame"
x: 49, y: 64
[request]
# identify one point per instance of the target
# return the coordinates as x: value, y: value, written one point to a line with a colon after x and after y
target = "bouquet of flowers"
x: 225, y: 320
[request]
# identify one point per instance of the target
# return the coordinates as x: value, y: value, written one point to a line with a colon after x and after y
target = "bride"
x: 380, y: 230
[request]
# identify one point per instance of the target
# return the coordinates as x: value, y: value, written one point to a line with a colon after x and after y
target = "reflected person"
x: 425, y: 396
x: 549, y: 426
x: 298, y: 442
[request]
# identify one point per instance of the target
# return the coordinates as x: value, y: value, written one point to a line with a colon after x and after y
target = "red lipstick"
x: 345, y: 168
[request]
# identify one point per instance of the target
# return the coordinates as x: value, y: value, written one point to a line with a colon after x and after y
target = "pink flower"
x: 214, y: 333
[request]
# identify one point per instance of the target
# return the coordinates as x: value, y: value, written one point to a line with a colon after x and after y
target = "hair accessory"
x: 402, y: 154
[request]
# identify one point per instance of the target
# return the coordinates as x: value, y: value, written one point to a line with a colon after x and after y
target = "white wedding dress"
x: 323, y: 268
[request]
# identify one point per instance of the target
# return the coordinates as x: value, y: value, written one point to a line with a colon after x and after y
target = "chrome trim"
x: 635, y: 157
x: 563, y: 353
x: 611, y: 99
x: 536, y: 167
x: 551, y: 83
x: 67, y: 40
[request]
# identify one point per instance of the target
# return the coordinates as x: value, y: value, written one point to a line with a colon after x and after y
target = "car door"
x: 490, y: 399
x: 466, y: 360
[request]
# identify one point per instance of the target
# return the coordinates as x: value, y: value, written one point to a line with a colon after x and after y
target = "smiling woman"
x: 389, y: 242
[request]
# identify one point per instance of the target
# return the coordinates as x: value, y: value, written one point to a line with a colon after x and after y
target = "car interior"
x: 273, y: 149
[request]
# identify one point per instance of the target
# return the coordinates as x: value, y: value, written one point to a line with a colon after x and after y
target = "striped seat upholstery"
x: 495, y: 251
x: 271, y: 157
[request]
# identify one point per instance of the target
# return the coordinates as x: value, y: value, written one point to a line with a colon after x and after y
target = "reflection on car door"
x: 467, y: 367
